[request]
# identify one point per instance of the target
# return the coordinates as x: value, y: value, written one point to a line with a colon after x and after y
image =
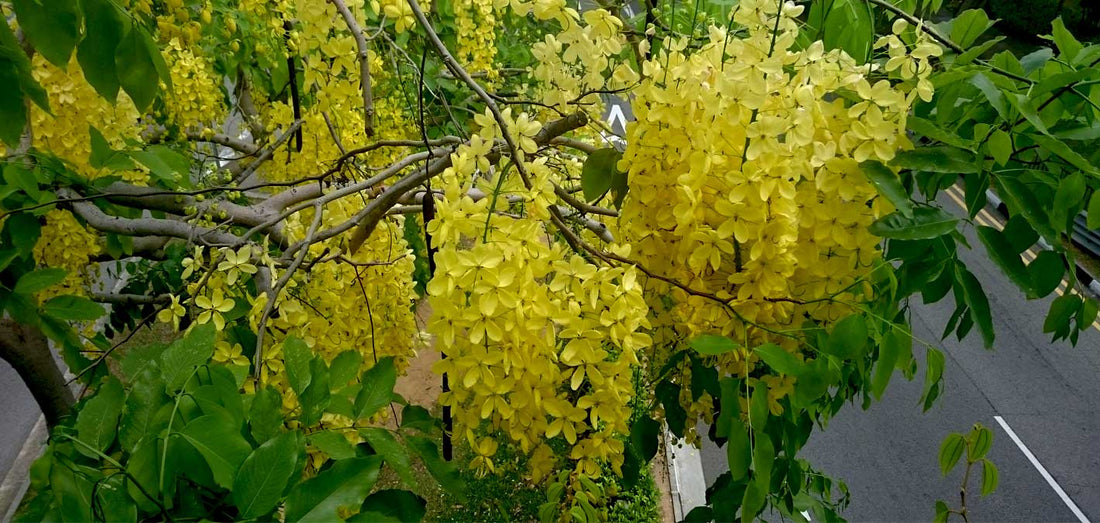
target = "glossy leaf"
x: 848, y: 338
x: 264, y: 475
x: 888, y: 184
x: 711, y: 345
x: 73, y: 308
x: 968, y: 26
x: 1007, y: 259
x: 941, y: 159
x: 137, y: 71
x: 218, y: 439
x: 39, y: 280
x: 346, y: 484
x: 297, y: 357
x: 392, y: 451
x: 97, y: 422
x: 1046, y: 272
x: 990, y: 477
x: 926, y: 223
x: 950, y: 451
x: 978, y: 303
x: 377, y: 389
x: 181, y: 357
x: 53, y: 27
x: 598, y: 172
x: 105, y: 26
x: 982, y: 440
x: 391, y: 506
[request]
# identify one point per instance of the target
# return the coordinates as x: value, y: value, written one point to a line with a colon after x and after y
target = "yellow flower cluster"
x: 576, y: 62
x: 76, y: 106
x: 66, y: 244
x: 475, y: 23
x: 196, y: 101
x: 745, y: 182
x: 540, y: 343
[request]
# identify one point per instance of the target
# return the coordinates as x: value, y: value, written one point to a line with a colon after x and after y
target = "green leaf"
x: 848, y: 338
x: 1022, y: 200
x: 14, y: 62
x: 976, y: 300
x: 39, y: 280
x: 644, y: 434
x: 942, y: 512
x: 345, y: 484
x: 218, y: 438
x: 344, y: 368
x: 181, y: 357
x: 97, y: 422
x: 926, y: 223
x: 1000, y: 146
x: 779, y: 359
x: 377, y: 389
x: 265, y: 416
x: 1063, y: 151
x: 443, y: 471
x: 1046, y: 272
x: 1087, y: 315
x: 1068, y: 200
x: 1094, y: 211
x: 990, y: 477
x: 391, y: 506
x: 418, y: 418
x: 889, y: 185
x: 53, y: 28
x: 763, y: 459
x: 939, y: 159
x: 333, y: 443
x: 103, y: 156
x: 73, y: 308
x: 950, y: 451
x: 711, y: 345
x: 317, y: 396
x: 729, y: 405
x: 114, y: 501
x: 24, y: 229
x: 394, y: 454
x: 977, y: 51
x: 968, y: 26
x: 297, y: 357
x: 980, y: 444
x: 13, y: 112
x: 1003, y: 254
x: 1027, y: 109
x: 890, y: 351
x: 1062, y: 309
x: 164, y: 163
x: 21, y: 177
x: 1068, y: 46
x: 105, y: 26
x: 935, y: 132
x: 137, y: 72
x: 264, y: 475
x: 738, y: 450
x: 933, y: 375
x: 758, y: 407
x: 753, y: 501
x: 598, y: 172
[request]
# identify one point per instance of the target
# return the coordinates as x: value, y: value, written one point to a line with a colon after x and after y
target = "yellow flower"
x: 172, y: 313
x: 229, y: 354
x: 192, y: 264
x: 236, y: 263
x: 212, y: 308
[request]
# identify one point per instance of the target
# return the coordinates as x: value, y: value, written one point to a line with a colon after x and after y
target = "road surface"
x: 1047, y: 394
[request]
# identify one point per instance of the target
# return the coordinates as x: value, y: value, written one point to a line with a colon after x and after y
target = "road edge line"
x: 1042, y: 471
x: 17, y: 480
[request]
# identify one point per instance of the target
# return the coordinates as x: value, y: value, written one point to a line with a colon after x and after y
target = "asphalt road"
x: 1048, y: 394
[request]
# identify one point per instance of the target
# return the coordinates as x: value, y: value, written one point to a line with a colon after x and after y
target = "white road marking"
x: 1043, y: 471
x: 616, y: 113
x: 806, y: 514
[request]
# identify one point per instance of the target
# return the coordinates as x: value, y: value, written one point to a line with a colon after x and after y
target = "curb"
x: 688, y: 486
x: 17, y: 480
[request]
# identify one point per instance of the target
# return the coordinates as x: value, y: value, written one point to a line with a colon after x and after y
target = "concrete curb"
x: 685, y: 473
x: 17, y: 480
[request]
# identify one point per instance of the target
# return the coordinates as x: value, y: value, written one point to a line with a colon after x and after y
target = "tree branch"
x: 146, y: 226
x: 364, y: 65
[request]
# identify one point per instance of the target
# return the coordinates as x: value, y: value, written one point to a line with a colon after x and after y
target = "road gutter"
x: 685, y: 474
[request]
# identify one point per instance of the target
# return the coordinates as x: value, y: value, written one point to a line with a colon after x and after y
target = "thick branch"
x: 146, y: 226
x: 26, y: 349
x: 368, y: 218
x: 364, y: 65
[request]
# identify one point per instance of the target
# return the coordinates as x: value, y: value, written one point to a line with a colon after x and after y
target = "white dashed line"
x: 1043, y: 471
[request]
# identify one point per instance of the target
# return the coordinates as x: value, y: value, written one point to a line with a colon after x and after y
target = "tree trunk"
x: 26, y: 349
